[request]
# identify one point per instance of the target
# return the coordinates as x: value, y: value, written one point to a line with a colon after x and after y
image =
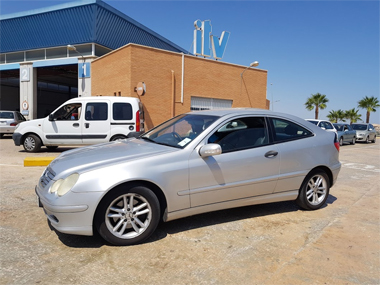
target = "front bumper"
x: 75, y: 218
x: 17, y: 138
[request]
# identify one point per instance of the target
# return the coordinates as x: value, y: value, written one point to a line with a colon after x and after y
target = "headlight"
x: 62, y: 186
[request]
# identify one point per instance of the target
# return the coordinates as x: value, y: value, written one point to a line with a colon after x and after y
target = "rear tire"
x: 314, y: 190
x: 118, y: 137
x: 32, y: 143
x: 128, y: 216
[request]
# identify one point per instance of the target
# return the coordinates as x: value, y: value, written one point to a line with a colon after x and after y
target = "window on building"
x: 201, y: 103
x: 35, y: 54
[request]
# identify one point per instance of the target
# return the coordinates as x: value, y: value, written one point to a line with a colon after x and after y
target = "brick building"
x: 176, y: 83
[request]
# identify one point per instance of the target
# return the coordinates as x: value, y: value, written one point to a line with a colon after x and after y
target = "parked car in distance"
x: 346, y: 134
x: 364, y: 132
x: 325, y: 125
x: 191, y: 164
x: 9, y: 120
x: 83, y: 121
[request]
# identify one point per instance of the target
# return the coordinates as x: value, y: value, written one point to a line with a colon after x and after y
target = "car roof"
x: 111, y: 98
x: 230, y: 112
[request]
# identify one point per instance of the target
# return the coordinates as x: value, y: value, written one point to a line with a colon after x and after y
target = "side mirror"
x: 323, y: 128
x: 210, y: 150
x: 51, y: 117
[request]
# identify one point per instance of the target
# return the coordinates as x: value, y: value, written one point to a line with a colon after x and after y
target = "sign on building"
x: 205, y: 42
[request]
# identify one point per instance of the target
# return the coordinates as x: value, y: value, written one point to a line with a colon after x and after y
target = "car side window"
x: 242, y: 133
x: 122, y: 111
x: 96, y: 112
x: 68, y: 112
x: 328, y: 126
x: 285, y: 130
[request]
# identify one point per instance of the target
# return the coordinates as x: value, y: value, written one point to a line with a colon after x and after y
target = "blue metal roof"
x: 89, y: 21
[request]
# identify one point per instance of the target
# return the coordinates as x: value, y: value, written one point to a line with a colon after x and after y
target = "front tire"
x: 353, y: 141
x: 374, y: 139
x: 32, y: 143
x: 367, y: 139
x: 314, y: 190
x: 341, y: 141
x: 128, y: 216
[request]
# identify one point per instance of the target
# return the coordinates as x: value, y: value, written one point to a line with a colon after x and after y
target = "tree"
x: 369, y: 103
x: 318, y: 101
x: 335, y: 116
x: 353, y: 115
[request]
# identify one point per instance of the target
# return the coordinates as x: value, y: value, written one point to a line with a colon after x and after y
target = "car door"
x: 350, y: 133
x: 293, y: 141
x: 63, y: 126
x: 96, y: 127
x: 247, y: 167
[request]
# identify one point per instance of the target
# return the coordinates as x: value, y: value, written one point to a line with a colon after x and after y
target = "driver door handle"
x: 271, y: 154
x: 87, y: 125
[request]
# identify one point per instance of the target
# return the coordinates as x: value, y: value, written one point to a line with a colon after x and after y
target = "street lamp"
x: 253, y: 64
x: 73, y: 48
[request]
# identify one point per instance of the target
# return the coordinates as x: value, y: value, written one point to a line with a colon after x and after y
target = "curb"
x: 38, y: 161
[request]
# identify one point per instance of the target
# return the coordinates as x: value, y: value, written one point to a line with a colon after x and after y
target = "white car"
x: 83, y: 121
x: 325, y: 125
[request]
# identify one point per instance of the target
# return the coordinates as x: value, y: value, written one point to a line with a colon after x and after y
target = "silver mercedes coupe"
x: 194, y: 163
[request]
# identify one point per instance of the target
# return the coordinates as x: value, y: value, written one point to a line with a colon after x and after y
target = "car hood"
x: 100, y: 155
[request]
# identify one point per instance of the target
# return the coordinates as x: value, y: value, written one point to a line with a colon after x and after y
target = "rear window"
x: 122, y: 111
x: 6, y: 115
x: 359, y: 127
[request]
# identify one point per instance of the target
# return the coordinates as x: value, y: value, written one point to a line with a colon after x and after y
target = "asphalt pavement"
x: 264, y: 244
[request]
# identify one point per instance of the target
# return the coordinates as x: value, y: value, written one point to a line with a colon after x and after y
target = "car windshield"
x: 359, y: 127
x: 7, y: 115
x: 339, y: 128
x: 179, y: 131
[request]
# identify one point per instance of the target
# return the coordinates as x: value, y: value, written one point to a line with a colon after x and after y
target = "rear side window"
x: 328, y: 126
x: 96, y: 112
x: 285, y: 130
x: 122, y: 111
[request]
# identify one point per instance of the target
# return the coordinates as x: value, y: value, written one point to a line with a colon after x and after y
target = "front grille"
x: 46, y: 177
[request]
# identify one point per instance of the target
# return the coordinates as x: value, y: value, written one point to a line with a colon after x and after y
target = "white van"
x: 83, y: 121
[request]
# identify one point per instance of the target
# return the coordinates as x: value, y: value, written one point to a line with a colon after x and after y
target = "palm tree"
x: 353, y: 115
x: 335, y: 116
x: 318, y: 101
x: 369, y: 103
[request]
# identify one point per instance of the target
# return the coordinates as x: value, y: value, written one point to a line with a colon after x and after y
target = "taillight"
x: 13, y: 124
x: 336, y: 142
x: 137, y: 121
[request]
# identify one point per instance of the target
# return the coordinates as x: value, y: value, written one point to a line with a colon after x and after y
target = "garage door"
x: 200, y: 103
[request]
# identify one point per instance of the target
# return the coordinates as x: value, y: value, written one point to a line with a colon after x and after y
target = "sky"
x: 307, y: 47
